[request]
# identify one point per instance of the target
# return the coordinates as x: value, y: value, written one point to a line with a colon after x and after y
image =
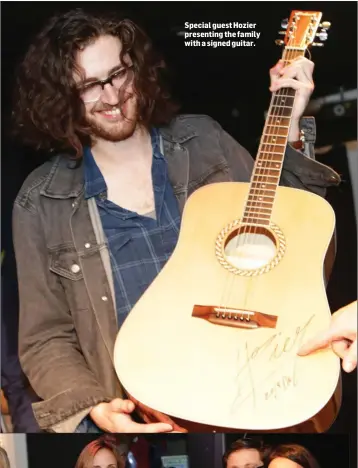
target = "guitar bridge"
x: 238, y: 318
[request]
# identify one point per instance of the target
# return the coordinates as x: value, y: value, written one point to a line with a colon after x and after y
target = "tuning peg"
x: 279, y: 42
x: 325, y: 25
x: 284, y: 23
x: 282, y: 33
x: 317, y: 44
x: 323, y: 35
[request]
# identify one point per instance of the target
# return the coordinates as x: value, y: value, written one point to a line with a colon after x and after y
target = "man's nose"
x: 110, y: 95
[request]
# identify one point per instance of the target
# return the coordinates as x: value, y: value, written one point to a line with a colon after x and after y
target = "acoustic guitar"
x: 212, y: 344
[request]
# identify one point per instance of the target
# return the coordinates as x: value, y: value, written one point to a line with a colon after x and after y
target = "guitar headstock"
x: 301, y: 29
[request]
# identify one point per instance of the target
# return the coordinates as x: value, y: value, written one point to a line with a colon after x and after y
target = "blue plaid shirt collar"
x: 94, y: 180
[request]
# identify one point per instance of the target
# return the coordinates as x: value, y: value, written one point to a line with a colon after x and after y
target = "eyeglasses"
x: 92, y: 92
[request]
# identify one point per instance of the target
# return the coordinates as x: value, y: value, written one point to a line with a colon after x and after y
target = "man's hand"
x: 341, y: 335
x: 115, y: 417
x: 299, y: 76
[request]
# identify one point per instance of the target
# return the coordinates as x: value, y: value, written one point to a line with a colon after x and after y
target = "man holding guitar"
x: 89, y: 89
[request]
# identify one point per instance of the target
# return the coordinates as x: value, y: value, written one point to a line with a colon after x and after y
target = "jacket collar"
x: 65, y: 180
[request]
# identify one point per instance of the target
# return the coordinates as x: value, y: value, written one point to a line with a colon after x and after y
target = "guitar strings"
x: 268, y: 148
x: 263, y: 167
x: 266, y: 158
x: 263, y: 170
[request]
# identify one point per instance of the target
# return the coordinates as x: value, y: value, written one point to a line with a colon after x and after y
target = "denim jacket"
x: 67, y: 314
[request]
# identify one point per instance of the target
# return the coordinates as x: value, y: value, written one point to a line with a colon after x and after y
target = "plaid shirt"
x: 139, y: 246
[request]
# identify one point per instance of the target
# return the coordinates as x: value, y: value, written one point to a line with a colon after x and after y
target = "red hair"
x: 85, y: 460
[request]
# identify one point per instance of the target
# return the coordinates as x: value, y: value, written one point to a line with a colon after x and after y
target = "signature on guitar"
x: 276, y: 372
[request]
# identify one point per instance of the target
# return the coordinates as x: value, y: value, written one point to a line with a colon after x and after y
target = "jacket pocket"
x: 65, y: 264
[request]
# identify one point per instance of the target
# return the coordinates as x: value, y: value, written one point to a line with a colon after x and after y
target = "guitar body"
x: 213, y: 342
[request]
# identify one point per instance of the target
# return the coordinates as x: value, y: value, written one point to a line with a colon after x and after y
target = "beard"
x: 116, y: 130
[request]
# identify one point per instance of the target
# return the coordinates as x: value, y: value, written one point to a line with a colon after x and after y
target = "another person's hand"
x: 341, y: 336
x: 115, y: 417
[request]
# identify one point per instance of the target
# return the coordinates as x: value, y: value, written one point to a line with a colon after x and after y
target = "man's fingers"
x: 320, y: 341
x: 275, y: 72
x: 350, y: 359
x: 149, y: 428
x: 340, y: 347
x: 299, y: 69
x: 298, y: 73
x: 291, y: 83
x: 122, y: 406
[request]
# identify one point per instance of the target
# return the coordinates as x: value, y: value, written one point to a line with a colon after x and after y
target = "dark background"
x: 216, y: 81
x: 62, y: 451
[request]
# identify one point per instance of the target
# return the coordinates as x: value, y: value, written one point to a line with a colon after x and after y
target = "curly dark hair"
x: 48, y: 111
x: 293, y: 452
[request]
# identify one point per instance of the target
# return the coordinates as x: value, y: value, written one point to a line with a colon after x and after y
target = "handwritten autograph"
x: 273, y: 350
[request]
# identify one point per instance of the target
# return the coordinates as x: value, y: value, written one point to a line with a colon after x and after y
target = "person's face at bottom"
x: 104, y: 458
x: 283, y: 463
x: 245, y: 458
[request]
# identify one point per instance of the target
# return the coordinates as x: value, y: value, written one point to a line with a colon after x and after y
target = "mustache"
x: 107, y: 107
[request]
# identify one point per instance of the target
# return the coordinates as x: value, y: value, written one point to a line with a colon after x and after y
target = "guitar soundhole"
x: 250, y: 247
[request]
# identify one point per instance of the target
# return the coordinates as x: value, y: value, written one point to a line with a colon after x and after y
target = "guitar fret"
x: 268, y: 160
x: 264, y: 216
x: 258, y: 208
x: 278, y: 105
x: 279, y: 132
x: 271, y: 152
x: 279, y: 126
x: 276, y: 125
x: 273, y: 143
x: 260, y: 190
x: 271, y: 185
x: 265, y: 172
x: 282, y: 98
x: 266, y: 168
x: 260, y: 198
x: 267, y: 203
x: 248, y: 219
x: 262, y: 202
x: 273, y: 134
x: 257, y: 222
x: 290, y: 90
x: 263, y: 177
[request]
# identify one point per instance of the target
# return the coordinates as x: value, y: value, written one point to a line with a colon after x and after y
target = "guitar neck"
x: 269, y: 161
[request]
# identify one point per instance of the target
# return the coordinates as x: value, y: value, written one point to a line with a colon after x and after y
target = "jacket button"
x: 104, y: 298
x: 75, y: 268
x: 87, y: 245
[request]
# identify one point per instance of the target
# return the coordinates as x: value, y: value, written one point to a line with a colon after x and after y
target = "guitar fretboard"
x: 269, y: 161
